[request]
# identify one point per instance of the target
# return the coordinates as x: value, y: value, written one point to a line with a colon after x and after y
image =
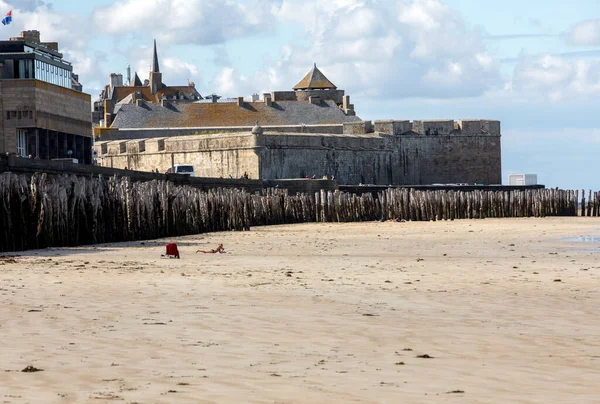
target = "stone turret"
x: 314, y: 88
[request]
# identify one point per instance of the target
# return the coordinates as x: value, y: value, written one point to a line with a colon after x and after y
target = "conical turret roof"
x: 314, y: 80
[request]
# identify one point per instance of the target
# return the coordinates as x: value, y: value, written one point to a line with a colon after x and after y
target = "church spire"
x: 155, y: 68
x: 155, y: 74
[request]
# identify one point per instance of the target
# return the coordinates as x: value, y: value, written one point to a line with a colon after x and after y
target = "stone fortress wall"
x: 380, y: 152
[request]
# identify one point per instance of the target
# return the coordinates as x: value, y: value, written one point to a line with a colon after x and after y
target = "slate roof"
x: 314, y: 80
x: 120, y: 93
x: 181, y: 115
x: 189, y: 92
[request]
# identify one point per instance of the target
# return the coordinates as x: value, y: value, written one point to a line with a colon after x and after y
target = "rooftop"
x: 170, y: 92
x: 229, y: 114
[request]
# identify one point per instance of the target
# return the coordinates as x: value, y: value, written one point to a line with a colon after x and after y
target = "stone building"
x: 153, y: 90
x: 43, y: 112
x: 311, y: 130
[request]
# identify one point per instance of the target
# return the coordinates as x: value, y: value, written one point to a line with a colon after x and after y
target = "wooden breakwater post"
x: 42, y: 210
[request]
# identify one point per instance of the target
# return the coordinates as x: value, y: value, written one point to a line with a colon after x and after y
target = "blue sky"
x: 534, y: 65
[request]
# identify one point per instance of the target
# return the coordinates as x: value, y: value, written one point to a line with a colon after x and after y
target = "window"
x: 29, y: 69
x: 21, y: 73
x: 22, y: 142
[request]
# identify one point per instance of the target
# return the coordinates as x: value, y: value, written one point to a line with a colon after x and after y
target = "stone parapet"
x: 392, y: 127
x: 438, y: 127
x: 358, y: 128
x: 434, y: 127
x: 155, y: 145
x: 135, y: 146
x: 117, y: 147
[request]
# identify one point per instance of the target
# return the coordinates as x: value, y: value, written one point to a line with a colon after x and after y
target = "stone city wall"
x: 425, y: 127
x: 441, y: 152
x: 385, y: 159
x: 212, y: 155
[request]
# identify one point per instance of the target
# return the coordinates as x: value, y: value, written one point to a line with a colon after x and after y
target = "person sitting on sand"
x: 219, y: 250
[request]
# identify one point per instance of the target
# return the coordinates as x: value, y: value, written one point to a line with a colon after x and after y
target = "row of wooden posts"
x: 46, y: 211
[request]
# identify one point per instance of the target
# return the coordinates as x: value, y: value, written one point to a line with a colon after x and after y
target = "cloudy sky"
x: 534, y: 65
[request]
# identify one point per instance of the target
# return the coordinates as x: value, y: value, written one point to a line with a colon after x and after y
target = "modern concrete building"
x: 43, y: 113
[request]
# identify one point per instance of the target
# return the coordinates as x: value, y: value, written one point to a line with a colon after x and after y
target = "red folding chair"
x: 172, y: 250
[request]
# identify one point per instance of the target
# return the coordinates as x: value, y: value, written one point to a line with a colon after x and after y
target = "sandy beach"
x: 488, y: 311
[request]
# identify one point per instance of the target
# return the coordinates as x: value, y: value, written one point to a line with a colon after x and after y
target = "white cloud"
x: 556, y: 77
x: 26, y: 5
x: 385, y: 48
x: 175, y: 71
x: 71, y: 31
x: 230, y: 82
x: 585, y: 33
x: 67, y: 29
x: 186, y: 21
x: 176, y: 68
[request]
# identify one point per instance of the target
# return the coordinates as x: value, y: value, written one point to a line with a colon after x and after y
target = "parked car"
x: 186, y: 169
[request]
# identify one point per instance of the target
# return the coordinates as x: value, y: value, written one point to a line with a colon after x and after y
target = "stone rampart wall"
x: 425, y: 127
x: 375, y: 158
x: 385, y: 160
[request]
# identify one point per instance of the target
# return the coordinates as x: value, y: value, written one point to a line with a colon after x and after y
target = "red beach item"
x: 172, y: 250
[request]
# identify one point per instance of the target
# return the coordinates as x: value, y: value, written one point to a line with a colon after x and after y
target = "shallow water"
x: 583, y: 239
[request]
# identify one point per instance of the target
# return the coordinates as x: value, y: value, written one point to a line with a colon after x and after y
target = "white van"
x: 186, y: 169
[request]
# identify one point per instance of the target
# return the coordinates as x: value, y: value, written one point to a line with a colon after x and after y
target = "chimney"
x: 346, y: 102
x: 267, y: 99
x: 254, y: 97
x: 116, y: 80
x: 240, y: 101
x: 314, y: 99
x: 31, y: 36
x: 139, y: 102
x: 51, y: 45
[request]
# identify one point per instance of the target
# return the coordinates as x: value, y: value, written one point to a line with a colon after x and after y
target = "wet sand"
x: 489, y: 311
